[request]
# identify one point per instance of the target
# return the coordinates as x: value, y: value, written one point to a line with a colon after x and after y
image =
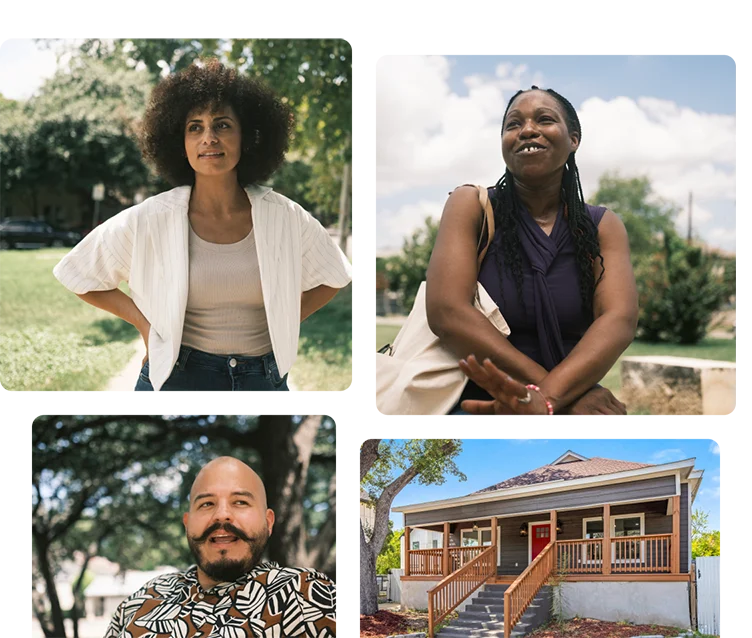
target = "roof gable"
x: 566, y: 470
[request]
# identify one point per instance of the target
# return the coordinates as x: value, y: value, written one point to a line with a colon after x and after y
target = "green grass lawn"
x: 49, y: 338
x: 719, y: 349
x: 325, y: 349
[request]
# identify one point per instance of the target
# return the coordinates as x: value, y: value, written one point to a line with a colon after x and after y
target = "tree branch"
x: 369, y: 453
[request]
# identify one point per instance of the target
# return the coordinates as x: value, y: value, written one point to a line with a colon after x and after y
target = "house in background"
x: 107, y: 591
x: 618, y: 532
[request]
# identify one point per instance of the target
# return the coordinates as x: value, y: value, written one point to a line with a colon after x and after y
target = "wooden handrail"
x: 452, y: 590
x: 521, y: 592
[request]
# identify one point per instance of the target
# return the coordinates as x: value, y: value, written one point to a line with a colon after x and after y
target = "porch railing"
x: 649, y: 554
x: 459, y: 556
x: 429, y: 562
x: 521, y: 592
x: 456, y: 587
x: 425, y: 562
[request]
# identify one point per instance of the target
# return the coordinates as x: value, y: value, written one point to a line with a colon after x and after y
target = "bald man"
x: 229, y: 593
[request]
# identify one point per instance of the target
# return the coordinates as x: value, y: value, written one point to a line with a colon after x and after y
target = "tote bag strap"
x: 488, y: 226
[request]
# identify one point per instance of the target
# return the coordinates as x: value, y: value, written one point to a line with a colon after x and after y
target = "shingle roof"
x: 566, y: 472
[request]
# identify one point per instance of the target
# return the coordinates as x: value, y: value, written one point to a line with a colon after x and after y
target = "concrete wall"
x: 642, y: 603
x: 414, y: 594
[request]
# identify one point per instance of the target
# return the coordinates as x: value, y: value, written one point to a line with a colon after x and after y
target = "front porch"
x: 641, y: 541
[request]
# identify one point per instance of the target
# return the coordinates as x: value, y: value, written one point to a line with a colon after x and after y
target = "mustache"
x: 227, y: 527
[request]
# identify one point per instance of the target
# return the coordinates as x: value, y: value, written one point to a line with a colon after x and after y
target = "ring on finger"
x: 528, y: 397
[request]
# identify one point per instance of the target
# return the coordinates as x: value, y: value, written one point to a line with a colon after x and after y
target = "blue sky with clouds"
x: 671, y: 118
x: 487, y: 462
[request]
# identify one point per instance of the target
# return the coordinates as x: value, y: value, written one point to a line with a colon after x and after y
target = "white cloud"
x: 523, y: 438
x: 395, y: 225
x: 430, y: 136
x: 715, y: 448
x: 427, y: 134
x: 667, y: 456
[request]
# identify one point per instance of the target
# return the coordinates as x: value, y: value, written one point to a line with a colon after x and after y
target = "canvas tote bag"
x: 418, y: 375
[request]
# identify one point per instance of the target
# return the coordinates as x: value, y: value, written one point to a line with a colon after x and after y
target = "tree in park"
x: 386, y: 467
x: 704, y: 541
x: 77, y: 131
x: 117, y: 487
x: 645, y: 216
x: 678, y: 291
x: 407, y: 270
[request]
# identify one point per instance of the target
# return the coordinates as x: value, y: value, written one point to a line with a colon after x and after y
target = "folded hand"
x: 509, y: 396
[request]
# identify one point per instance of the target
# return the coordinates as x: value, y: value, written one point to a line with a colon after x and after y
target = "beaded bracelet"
x: 532, y: 386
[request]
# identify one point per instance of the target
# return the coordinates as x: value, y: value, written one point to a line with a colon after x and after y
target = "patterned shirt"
x: 268, y: 602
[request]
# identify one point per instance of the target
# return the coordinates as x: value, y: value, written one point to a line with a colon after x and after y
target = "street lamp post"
x: 97, y: 194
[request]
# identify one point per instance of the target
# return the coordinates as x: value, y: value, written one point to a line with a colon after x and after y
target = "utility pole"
x: 689, y: 227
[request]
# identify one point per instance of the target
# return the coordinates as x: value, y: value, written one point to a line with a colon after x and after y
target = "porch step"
x: 484, y: 616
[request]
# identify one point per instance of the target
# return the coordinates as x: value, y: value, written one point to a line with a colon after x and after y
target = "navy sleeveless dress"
x: 550, y: 322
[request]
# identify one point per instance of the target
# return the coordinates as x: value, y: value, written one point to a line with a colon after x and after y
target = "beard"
x: 227, y: 570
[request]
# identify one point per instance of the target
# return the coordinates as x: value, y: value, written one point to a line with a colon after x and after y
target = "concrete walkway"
x: 125, y: 380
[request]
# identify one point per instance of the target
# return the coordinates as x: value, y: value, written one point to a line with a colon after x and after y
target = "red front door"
x: 541, y: 536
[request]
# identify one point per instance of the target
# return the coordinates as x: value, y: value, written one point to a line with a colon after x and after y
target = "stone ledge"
x: 679, y: 385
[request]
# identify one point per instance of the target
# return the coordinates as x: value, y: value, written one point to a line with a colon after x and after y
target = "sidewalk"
x: 126, y: 379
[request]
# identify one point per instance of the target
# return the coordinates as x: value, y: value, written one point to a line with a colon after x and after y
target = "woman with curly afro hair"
x: 558, y: 268
x: 220, y: 269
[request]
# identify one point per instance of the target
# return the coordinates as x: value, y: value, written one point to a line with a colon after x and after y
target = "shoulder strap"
x: 487, y: 226
x: 488, y: 223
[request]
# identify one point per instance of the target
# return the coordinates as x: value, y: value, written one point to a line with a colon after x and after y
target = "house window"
x: 543, y: 532
x: 621, y: 525
x: 474, y: 538
x: 435, y: 544
x: 593, y: 528
x: 99, y: 606
x: 416, y: 545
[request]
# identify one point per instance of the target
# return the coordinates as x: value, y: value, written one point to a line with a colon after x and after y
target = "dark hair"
x: 583, y: 229
x: 265, y: 121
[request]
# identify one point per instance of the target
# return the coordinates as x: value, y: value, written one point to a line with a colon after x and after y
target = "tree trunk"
x: 285, y: 454
x: 369, y: 594
x: 43, y: 561
x: 344, y: 206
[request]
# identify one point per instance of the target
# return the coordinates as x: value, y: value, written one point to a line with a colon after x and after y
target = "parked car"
x: 14, y: 232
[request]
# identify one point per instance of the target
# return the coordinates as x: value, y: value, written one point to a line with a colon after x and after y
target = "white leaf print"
x: 180, y: 629
x: 323, y: 595
x: 160, y: 619
x: 251, y: 599
x: 310, y: 612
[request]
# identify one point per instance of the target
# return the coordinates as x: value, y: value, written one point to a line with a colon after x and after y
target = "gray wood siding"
x: 684, y: 530
x: 648, y: 489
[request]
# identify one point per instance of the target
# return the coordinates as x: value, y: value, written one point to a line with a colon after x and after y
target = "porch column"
x: 606, y: 550
x: 407, y: 551
x: 676, y: 535
x: 445, y: 554
x: 553, y: 526
x: 494, y: 531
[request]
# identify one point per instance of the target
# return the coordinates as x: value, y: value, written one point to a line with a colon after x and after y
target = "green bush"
x: 678, y: 291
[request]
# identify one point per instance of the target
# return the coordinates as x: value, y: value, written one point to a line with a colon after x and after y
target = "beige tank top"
x: 225, y: 312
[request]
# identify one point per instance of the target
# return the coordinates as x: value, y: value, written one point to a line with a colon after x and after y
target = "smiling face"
x: 535, y: 141
x: 213, y: 140
x: 228, y: 523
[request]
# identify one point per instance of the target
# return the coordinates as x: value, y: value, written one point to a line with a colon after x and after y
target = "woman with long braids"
x: 558, y: 268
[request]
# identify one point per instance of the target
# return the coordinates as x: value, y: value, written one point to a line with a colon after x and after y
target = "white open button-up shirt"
x: 147, y: 246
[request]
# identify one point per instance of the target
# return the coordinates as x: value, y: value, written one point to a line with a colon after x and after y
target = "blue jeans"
x: 196, y: 370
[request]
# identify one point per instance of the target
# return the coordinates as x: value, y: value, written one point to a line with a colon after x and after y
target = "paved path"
x: 127, y: 377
